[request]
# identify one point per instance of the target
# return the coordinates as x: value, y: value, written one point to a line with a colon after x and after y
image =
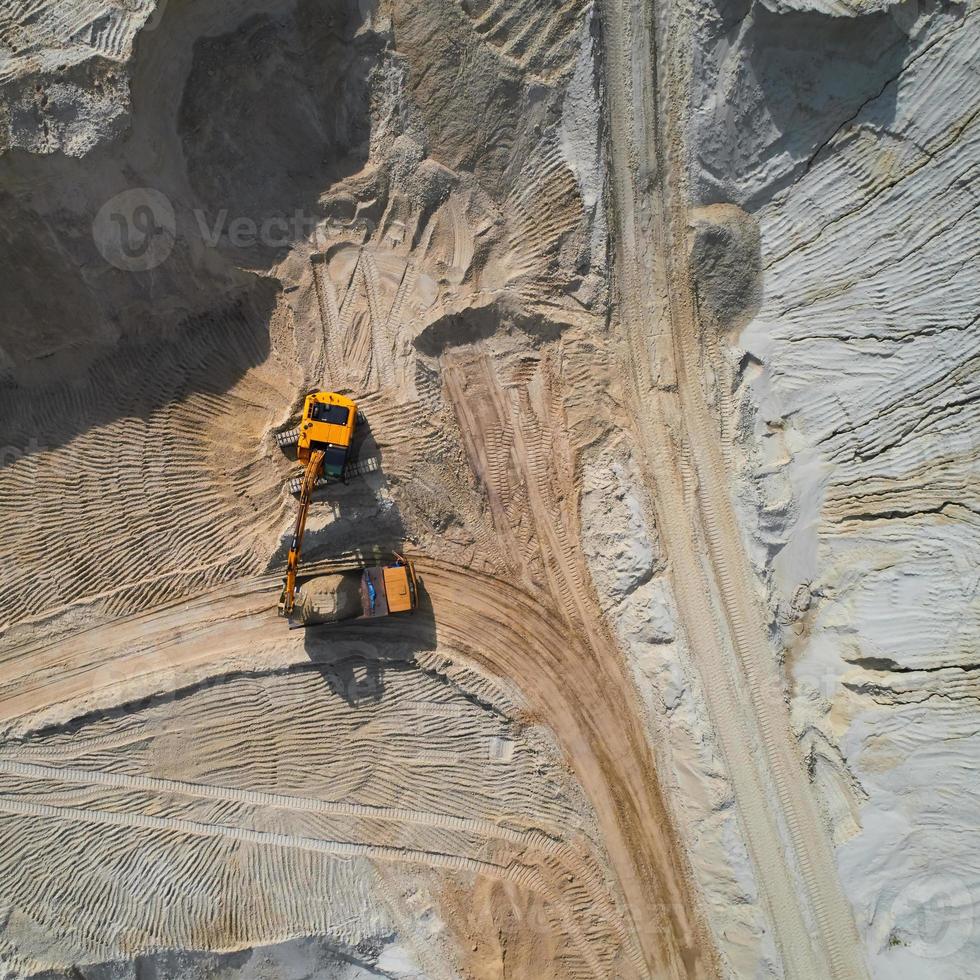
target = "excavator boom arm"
x: 314, y: 468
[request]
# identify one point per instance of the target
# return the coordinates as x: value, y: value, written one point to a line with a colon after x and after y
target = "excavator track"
x: 370, y: 464
x: 288, y: 438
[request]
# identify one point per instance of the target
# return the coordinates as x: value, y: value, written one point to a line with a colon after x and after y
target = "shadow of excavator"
x: 353, y: 657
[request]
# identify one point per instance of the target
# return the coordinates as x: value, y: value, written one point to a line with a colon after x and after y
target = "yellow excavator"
x: 323, y: 442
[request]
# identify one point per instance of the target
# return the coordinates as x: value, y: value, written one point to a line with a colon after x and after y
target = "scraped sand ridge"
x: 652, y: 713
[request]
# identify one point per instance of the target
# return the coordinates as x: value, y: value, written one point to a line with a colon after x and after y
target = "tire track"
x: 377, y: 852
x: 493, y: 623
x: 381, y: 341
x: 735, y: 660
x: 443, y: 821
x: 582, y: 698
x: 545, y: 864
x: 326, y: 298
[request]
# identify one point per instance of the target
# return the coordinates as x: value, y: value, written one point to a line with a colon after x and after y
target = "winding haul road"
x: 579, y: 693
x: 725, y: 627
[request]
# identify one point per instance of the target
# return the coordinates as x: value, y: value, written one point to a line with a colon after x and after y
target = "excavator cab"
x: 327, y: 426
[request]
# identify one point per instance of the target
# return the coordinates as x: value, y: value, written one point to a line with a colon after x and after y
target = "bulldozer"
x: 323, y: 442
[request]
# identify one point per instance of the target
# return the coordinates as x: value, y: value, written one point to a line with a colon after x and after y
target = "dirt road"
x: 791, y: 854
x: 580, y: 694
